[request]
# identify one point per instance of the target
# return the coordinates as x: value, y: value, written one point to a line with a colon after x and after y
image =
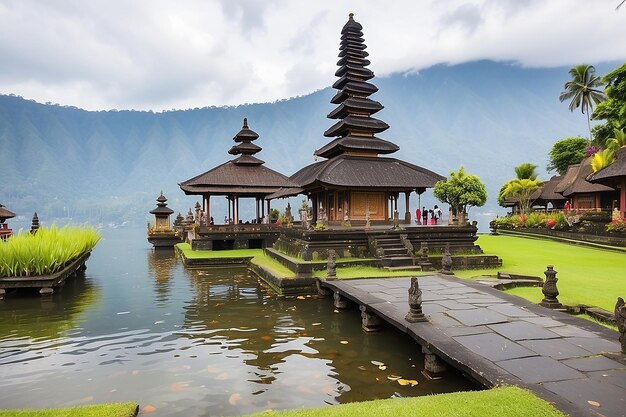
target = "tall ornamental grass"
x: 45, y: 252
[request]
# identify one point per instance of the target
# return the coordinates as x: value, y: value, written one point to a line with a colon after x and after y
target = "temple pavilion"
x: 614, y: 175
x: 5, y: 214
x: 242, y: 177
x: 355, y: 182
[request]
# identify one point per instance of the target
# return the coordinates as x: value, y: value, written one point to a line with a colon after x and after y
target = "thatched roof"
x: 575, y: 181
x: 5, y: 214
x: 547, y: 193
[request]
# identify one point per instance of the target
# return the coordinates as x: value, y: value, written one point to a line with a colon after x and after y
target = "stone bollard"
x: 331, y: 265
x: 369, y: 321
x: 415, y: 313
x: 446, y: 261
x: 549, y: 289
x: 620, y: 320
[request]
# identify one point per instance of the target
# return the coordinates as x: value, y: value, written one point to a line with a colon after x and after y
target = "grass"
x: 45, y: 252
x: 99, y: 410
x: 258, y: 258
x: 586, y: 275
x: 496, y: 402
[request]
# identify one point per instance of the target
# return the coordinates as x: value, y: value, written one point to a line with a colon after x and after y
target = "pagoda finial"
x: 351, y: 16
x: 245, y: 123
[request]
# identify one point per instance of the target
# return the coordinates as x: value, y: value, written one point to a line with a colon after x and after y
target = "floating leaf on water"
x: 335, y: 311
x: 594, y: 403
x: 382, y: 367
x: 234, y: 398
x: 148, y: 409
x: 123, y: 312
x: 403, y: 382
x: 377, y: 363
x: 362, y: 368
x: 159, y: 322
x: 393, y: 377
x: 344, y: 342
x: 300, y: 297
x: 412, y: 382
x: 316, y: 324
x: 266, y: 338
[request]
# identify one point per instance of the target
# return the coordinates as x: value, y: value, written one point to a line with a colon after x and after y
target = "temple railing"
x: 241, y: 228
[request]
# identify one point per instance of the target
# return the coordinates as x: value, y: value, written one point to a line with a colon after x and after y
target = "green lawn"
x: 497, y: 402
x: 100, y: 410
x: 586, y: 275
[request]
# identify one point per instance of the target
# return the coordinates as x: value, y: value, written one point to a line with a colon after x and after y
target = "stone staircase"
x: 393, y: 254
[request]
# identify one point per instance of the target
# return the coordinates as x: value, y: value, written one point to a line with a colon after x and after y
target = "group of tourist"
x: 430, y: 216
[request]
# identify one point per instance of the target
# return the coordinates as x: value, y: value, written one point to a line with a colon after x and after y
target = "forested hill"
x: 110, y: 165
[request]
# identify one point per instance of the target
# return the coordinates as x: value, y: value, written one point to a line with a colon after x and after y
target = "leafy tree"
x: 521, y: 190
x: 617, y: 141
x: 566, y: 152
x: 583, y: 90
x: 460, y: 191
x: 602, y: 159
x: 613, y: 109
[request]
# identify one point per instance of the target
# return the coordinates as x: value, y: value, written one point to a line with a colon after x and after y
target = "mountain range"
x: 109, y: 166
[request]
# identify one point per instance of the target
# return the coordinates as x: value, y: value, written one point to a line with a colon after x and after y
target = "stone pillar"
x: 322, y: 291
x: 433, y: 365
x: 2, y: 293
x: 339, y: 302
x: 620, y: 321
x: 331, y: 266
x: 407, y: 207
x: 415, y: 313
x: 369, y: 322
x: 549, y: 289
x: 396, y: 219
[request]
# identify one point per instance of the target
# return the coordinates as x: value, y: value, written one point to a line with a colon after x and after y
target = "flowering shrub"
x: 533, y: 220
x: 618, y: 226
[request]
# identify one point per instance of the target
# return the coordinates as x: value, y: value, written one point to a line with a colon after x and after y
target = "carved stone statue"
x: 288, y: 216
x: 446, y: 261
x: 331, y: 265
x: 549, y: 289
x: 423, y: 261
x: 304, y: 214
x: 415, y: 313
x: 620, y: 320
x: 367, y: 215
x: 346, y: 220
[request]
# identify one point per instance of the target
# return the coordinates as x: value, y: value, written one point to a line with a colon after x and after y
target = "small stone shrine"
x: 331, y: 265
x: 446, y: 261
x: 34, y: 224
x: 620, y: 321
x: 415, y: 313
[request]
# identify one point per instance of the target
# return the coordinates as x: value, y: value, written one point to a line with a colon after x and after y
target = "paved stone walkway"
x: 500, y: 339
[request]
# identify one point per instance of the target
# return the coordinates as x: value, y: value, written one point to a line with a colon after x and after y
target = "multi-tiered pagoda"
x: 355, y: 181
x: 242, y: 177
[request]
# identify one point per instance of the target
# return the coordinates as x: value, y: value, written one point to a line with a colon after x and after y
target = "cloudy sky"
x: 159, y: 54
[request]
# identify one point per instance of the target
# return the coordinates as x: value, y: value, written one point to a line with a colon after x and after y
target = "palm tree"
x: 617, y: 141
x: 526, y: 171
x: 583, y: 90
x: 521, y: 190
x: 602, y: 159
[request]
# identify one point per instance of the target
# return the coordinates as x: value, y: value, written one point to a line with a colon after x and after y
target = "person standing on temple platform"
x: 418, y: 216
x: 424, y: 216
x: 438, y: 214
x: 431, y: 214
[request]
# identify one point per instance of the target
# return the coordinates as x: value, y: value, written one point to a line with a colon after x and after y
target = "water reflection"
x: 193, y: 343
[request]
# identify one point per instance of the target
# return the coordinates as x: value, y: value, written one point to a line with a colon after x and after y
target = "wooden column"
x: 207, y: 208
x: 256, y: 201
x: 236, y: 204
x: 269, y: 211
x: 229, y: 215
x: 622, y: 199
x: 407, y: 208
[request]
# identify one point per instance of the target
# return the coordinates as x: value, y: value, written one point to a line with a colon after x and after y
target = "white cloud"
x: 160, y: 54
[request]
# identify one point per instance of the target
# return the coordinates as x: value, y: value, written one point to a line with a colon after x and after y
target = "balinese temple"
x: 355, y: 181
x: 614, y: 176
x: 242, y: 177
x: 161, y: 234
x: 5, y: 214
x: 583, y: 194
x: 546, y: 196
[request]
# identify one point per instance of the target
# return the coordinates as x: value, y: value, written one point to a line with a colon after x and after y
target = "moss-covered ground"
x: 497, y: 402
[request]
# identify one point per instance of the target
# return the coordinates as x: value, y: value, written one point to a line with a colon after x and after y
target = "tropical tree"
x: 617, y: 141
x: 566, y: 152
x: 613, y: 109
x: 583, y: 90
x: 526, y: 170
x: 602, y: 159
x: 461, y: 191
x: 521, y: 190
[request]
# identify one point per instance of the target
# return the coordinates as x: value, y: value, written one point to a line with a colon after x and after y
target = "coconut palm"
x: 617, y: 141
x: 583, y: 90
x: 521, y: 190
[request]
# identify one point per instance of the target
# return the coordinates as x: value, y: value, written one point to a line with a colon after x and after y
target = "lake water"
x: 140, y: 327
